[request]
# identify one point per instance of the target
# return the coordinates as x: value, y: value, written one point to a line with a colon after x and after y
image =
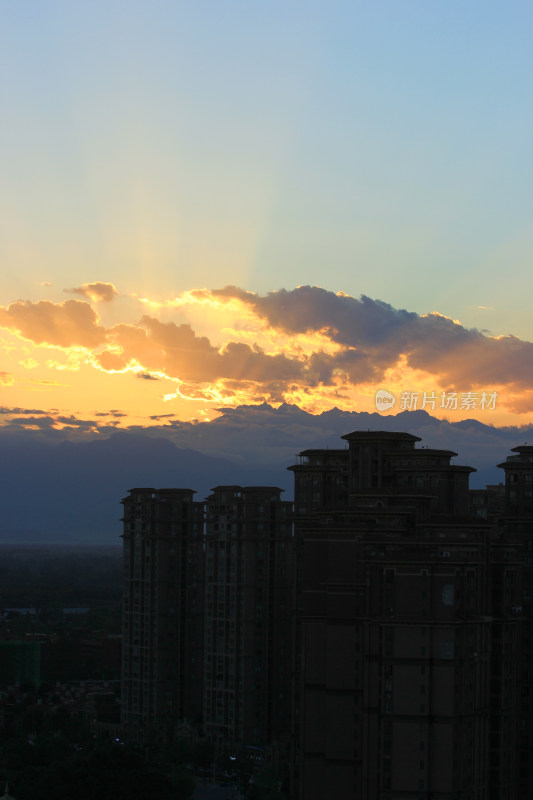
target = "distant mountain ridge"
x: 71, y: 490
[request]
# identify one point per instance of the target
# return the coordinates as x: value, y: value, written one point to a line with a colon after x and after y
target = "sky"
x: 208, y: 204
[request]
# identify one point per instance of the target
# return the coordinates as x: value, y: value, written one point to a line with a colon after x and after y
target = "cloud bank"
x: 289, y: 345
x: 377, y: 331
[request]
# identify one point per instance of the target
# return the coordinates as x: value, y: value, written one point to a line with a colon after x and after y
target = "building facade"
x: 407, y: 644
x: 162, y: 652
x: 207, y: 615
x: 248, y: 578
x: 517, y: 522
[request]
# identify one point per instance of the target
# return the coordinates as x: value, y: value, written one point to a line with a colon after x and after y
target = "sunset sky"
x: 207, y: 204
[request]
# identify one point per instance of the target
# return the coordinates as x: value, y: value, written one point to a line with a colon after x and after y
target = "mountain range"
x: 57, y: 487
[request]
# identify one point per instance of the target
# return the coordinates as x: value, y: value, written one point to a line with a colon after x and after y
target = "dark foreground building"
x: 162, y: 651
x: 207, y: 616
x: 518, y: 524
x: 409, y: 630
x: 247, y: 632
x: 381, y: 637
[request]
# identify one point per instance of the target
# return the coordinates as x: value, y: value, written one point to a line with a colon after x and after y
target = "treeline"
x: 60, y: 577
x: 51, y: 766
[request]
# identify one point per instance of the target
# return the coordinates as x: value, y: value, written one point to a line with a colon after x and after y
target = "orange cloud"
x: 178, y: 352
x: 6, y: 379
x: 66, y: 324
x: 307, y: 346
x: 518, y: 403
x: 98, y: 291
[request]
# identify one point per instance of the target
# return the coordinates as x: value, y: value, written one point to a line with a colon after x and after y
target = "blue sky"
x: 382, y: 148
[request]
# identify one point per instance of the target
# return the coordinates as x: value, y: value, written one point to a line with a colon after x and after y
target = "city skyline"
x: 402, y: 597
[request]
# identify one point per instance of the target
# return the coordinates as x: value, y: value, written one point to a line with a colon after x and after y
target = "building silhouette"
x: 377, y: 633
x: 162, y: 652
x: 207, y: 615
x: 517, y: 522
x: 408, y: 633
x: 247, y: 631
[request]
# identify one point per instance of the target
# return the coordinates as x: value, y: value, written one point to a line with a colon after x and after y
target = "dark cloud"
x: 16, y: 410
x: 76, y: 422
x: 146, y: 376
x: 342, y: 318
x: 50, y: 421
x: 33, y: 421
x: 374, y: 335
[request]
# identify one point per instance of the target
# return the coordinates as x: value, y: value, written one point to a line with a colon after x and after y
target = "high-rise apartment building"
x: 207, y: 615
x: 517, y: 522
x: 407, y: 637
x: 162, y: 612
x: 247, y: 648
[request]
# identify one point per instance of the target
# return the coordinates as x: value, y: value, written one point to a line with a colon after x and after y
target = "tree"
x: 53, y: 767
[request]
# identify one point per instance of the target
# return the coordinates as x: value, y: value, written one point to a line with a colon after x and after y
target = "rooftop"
x: 381, y: 436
